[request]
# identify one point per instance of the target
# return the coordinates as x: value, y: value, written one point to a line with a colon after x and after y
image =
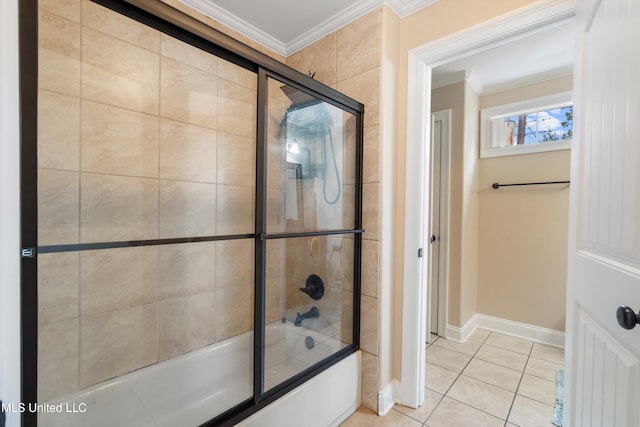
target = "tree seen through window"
x: 542, y: 126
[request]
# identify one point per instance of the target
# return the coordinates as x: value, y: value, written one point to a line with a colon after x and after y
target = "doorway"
x: 438, y: 223
x: 422, y: 61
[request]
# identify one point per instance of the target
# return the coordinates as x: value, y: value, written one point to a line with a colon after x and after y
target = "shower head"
x: 298, y: 98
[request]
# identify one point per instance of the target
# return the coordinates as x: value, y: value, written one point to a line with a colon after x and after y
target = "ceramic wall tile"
x: 276, y: 250
x: 235, y: 74
x: 117, y: 25
x: 236, y: 109
x: 293, y: 297
x: 116, y: 141
x: 186, y: 269
x: 370, y: 381
x: 318, y: 59
x: 346, y: 317
x: 58, y: 54
x: 68, y: 9
x: 274, y: 299
x: 185, y: 324
x: 118, y: 73
x: 58, y: 131
x: 58, y: 198
x: 365, y: 88
x: 279, y: 218
x: 369, y: 324
x: 113, y: 279
x: 115, y: 208
x: 117, y: 342
x: 371, y: 155
x: 370, y: 268
x: 234, y: 263
x: 348, y: 154
x: 239, y: 165
x: 187, y: 209
x: 370, y: 210
x: 57, y: 359
x: 359, y: 45
x: 187, y: 152
x: 58, y: 286
x: 234, y: 311
x: 188, y: 94
x: 189, y: 55
x: 235, y: 210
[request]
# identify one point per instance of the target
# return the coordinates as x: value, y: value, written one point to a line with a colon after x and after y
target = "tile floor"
x: 490, y: 380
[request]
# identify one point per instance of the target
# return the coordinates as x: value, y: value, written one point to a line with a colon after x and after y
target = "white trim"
x: 10, y: 213
x: 414, y: 311
x: 386, y: 398
x: 496, y: 32
x: 402, y: 8
x: 448, y: 79
x: 507, y: 327
x: 457, y: 334
x: 491, y: 123
x: 243, y: 27
x: 521, y: 330
x: 420, y: 62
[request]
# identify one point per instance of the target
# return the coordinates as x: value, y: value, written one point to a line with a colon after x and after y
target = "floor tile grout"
x: 474, y: 356
x: 457, y: 377
x: 518, y: 387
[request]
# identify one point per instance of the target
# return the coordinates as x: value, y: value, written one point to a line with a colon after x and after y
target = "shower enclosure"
x: 191, y: 219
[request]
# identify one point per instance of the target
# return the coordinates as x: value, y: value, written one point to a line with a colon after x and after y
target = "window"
x: 531, y: 126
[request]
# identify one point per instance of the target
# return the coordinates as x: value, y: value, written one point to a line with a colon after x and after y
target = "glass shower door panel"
x: 310, y: 163
x: 168, y: 328
x: 309, y: 303
x: 142, y: 137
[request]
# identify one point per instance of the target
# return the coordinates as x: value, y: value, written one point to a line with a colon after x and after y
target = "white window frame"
x: 492, y: 117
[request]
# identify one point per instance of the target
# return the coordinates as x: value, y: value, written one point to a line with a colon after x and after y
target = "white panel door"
x: 603, y: 378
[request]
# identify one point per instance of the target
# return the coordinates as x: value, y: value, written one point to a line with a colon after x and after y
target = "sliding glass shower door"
x: 310, y: 230
x: 146, y: 213
x: 198, y: 220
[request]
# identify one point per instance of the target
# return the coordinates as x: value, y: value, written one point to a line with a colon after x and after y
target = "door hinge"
x: 28, y: 253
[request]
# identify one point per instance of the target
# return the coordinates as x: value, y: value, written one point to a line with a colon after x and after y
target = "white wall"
x: 9, y: 209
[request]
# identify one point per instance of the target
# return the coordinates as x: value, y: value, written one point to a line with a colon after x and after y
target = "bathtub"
x: 191, y: 389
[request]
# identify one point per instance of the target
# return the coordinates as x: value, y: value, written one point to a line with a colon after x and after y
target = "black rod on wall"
x: 496, y: 185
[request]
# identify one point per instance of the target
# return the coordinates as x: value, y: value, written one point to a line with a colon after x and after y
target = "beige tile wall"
x: 140, y: 137
x: 166, y: 148
x: 350, y: 60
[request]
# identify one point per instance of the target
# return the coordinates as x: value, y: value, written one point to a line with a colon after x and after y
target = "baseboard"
x: 508, y: 327
x: 386, y: 398
x: 457, y: 334
x: 521, y: 330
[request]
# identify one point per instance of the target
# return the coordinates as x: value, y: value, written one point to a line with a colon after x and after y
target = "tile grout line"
x: 456, y: 379
x: 518, y: 387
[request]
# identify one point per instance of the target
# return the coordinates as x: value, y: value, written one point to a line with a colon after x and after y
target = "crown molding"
x: 237, y: 24
x: 503, y: 29
x: 402, y: 8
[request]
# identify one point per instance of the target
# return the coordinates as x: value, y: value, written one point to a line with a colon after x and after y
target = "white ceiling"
x: 536, y: 56
x: 287, y: 26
